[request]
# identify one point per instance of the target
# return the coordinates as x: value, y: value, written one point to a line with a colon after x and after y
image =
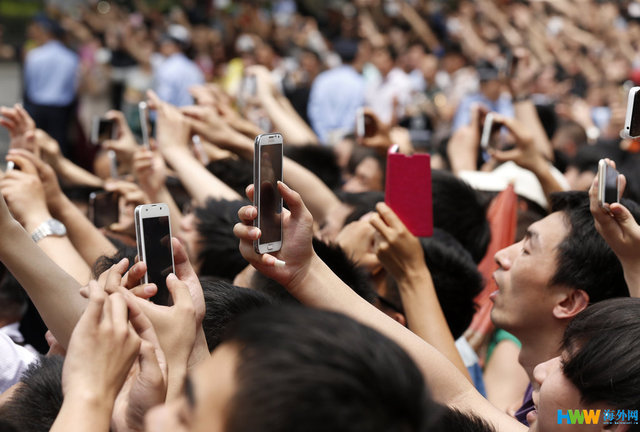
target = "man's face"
x: 368, y: 177
x: 204, y: 406
x: 524, y: 274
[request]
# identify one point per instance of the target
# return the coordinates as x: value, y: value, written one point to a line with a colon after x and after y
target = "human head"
x: 598, y: 368
x: 456, y: 280
x: 13, y: 300
x: 459, y: 210
x: 207, y: 233
x: 489, y: 76
x: 298, y: 369
x: 557, y: 270
x: 223, y: 303
x: 384, y: 58
x: 36, y: 401
x: 367, y: 169
x: 319, y: 160
x: 175, y: 39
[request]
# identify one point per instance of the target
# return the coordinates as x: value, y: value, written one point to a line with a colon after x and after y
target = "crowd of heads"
x: 244, y: 344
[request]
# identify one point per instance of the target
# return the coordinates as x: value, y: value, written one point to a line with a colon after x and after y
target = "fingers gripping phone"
x: 153, y: 237
x: 632, y: 119
x: 490, y: 133
x: 103, y: 208
x: 608, y: 184
x: 103, y: 130
x: 267, y: 171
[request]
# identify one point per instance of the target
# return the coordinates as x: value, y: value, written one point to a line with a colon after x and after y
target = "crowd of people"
x: 355, y: 324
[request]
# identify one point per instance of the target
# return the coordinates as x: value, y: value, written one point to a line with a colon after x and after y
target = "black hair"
x: 602, y: 359
x: 337, y: 260
x: 104, y: 262
x: 13, y: 299
x: 36, y: 402
x: 460, y: 210
x: 235, y: 173
x: 219, y: 254
x: 458, y: 421
x: 318, y: 159
x: 456, y: 280
x: 587, y: 157
x: 302, y: 369
x: 360, y: 153
x: 585, y: 261
x: 361, y: 202
x: 224, y: 302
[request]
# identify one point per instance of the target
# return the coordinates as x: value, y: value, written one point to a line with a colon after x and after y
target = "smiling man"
x: 560, y: 267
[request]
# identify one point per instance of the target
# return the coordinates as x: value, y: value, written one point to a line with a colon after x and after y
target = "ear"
x: 572, y: 302
x: 398, y: 317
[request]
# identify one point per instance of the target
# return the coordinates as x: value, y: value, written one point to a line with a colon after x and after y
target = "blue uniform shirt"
x: 51, y: 74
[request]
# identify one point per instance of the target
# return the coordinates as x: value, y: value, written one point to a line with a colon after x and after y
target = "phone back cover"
x: 408, y: 191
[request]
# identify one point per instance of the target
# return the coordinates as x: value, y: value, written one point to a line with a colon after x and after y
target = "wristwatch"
x: 49, y: 227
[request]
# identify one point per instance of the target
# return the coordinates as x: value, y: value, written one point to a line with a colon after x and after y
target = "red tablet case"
x: 408, y: 191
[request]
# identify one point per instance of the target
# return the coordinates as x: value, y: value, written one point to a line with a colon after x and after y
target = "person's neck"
x: 539, y: 346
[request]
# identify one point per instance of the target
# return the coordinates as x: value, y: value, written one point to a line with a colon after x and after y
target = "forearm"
x: 632, y: 277
x: 320, y: 287
x: 83, y: 413
x: 319, y: 199
x: 197, y: 180
x: 425, y: 317
x: 542, y: 171
x: 293, y: 132
x: 90, y: 243
x: 72, y: 174
x: 53, y: 291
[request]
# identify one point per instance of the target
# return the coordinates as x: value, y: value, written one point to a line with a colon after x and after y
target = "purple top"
x: 527, y: 406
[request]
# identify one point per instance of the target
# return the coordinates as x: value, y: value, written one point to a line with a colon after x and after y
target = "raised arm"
x: 307, y: 278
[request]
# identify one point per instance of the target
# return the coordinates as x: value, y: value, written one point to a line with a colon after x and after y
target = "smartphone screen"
x: 103, y: 208
x: 103, y: 130
x: 611, y: 185
x: 153, y: 233
x: 269, y: 202
x: 634, y: 126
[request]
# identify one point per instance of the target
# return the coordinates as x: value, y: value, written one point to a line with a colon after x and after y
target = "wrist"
x: 58, y: 204
x: 35, y: 219
x: 91, y: 399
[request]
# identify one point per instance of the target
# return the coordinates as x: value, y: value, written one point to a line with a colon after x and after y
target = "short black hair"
x: 301, y: 369
x: 458, y: 421
x: 104, y: 262
x: 337, y: 260
x: 235, y: 173
x: 602, y: 359
x: 224, y: 302
x: 585, y: 260
x: 219, y: 254
x: 13, y: 299
x: 36, y: 402
x: 361, y: 202
x: 459, y: 210
x: 319, y: 160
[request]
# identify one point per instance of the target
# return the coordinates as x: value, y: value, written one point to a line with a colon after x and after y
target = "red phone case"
x: 408, y: 191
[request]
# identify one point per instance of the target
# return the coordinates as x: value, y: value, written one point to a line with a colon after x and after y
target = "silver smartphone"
x: 490, y: 132
x: 153, y: 238
x: 632, y: 119
x: 143, y: 113
x: 267, y: 171
x: 608, y: 184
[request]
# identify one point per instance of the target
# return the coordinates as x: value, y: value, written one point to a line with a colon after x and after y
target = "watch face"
x: 57, y: 227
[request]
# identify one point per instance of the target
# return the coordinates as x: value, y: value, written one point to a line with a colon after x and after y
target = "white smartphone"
x: 267, y: 171
x: 103, y: 129
x: 632, y: 119
x: 490, y: 132
x: 608, y: 184
x: 143, y: 113
x: 153, y: 238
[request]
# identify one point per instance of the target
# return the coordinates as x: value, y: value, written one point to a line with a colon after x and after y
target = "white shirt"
x: 381, y: 94
x: 14, y: 361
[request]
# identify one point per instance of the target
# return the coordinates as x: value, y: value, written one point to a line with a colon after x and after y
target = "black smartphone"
x: 608, y: 184
x: 103, y: 130
x: 153, y: 238
x: 632, y: 119
x: 490, y: 133
x: 103, y: 208
x: 267, y: 171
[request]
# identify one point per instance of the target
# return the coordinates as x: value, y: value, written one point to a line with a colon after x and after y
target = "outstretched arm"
x: 307, y: 278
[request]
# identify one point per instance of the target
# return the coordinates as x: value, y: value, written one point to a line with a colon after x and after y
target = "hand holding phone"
x: 490, y: 137
x: 267, y: 172
x: 365, y: 124
x: 103, y: 208
x: 153, y: 238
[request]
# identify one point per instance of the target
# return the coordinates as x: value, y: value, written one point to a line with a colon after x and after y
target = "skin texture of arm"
x: 307, y: 278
